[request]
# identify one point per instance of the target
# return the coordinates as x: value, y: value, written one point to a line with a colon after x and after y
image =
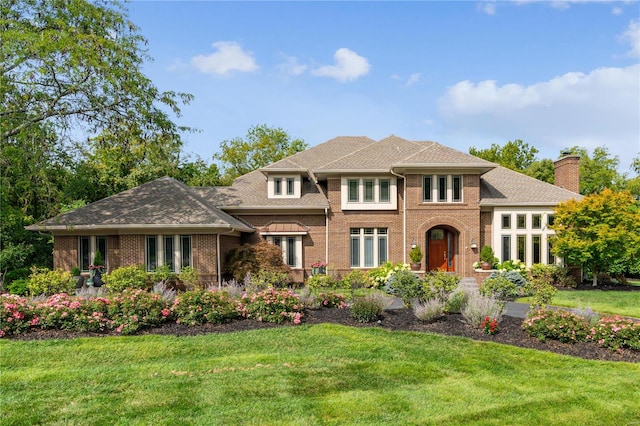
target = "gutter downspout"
x: 326, y: 234
x: 404, y: 214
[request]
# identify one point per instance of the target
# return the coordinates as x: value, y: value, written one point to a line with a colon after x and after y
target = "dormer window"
x: 284, y: 186
x: 442, y: 188
x: 369, y: 193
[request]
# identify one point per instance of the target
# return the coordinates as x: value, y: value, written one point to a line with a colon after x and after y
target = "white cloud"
x: 177, y: 65
x: 348, y: 66
x: 632, y: 36
x: 488, y: 7
x: 291, y: 66
x: 413, y: 79
x: 616, y: 11
x: 601, y: 108
x: 229, y: 56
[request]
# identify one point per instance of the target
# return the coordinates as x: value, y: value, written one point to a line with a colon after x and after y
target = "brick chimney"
x: 566, y: 172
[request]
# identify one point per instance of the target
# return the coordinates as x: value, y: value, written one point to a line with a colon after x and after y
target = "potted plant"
x: 319, y: 267
x: 415, y: 255
x: 487, y: 258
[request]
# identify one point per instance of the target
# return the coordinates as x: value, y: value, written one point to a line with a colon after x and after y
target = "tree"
x: 263, y: 145
x: 515, y: 155
x: 598, y: 171
x: 601, y: 233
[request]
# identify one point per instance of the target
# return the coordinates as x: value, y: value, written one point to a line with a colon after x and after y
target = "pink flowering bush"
x: 616, y: 333
x: 272, y: 305
x: 64, y: 312
x: 332, y: 300
x: 134, y: 310
x: 16, y: 316
x: 558, y: 324
x: 202, y: 306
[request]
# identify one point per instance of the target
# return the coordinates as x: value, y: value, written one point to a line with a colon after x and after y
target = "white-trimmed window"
x: 368, y: 247
x: 284, y: 186
x: 523, y: 234
x: 442, y: 188
x: 291, y: 246
x: 369, y: 193
x: 87, y: 248
x: 173, y: 251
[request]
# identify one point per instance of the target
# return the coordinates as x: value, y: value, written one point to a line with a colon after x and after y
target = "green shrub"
x: 45, y: 281
x: 204, y: 306
x: 272, y: 305
x: 439, y: 285
x: 315, y: 282
x: 367, y: 309
x: 355, y: 279
x: 542, y: 293
x: 554, y: 324
x: 456, y: 302
x: 499, y: 287
x: 513, y: 265
x: 516, y: 277
x: 269, y: 278
x: 616, y: 333
x: 127, y: 277
x: 162, y: 273
x: 554, y: 275
x: 19, y: 287
x: 253, y: 258
x: 479, y: 307
x: 429, y: 310
x: 380, y: 275
x: 188, y: 276
x: 404, y: 284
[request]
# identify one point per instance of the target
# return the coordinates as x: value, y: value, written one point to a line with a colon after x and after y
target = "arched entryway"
x: 442, y: 249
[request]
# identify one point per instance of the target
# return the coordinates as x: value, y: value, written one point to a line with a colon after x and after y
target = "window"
x: 521, y: 221
x: 385, y: 190
x: 354, y: 191
x: 427, y: 188
x: 536, y: 246
x: 457, y: 189
x: 442, y: 189
x: 506, y: 221
x: 550, y: 219
x: 88, y: 246
x: 368, y: 247
x: 506, y: 247
x: 173, y: 251
x: 522, y: 247
x: 551, y: 259
x: 369, y: 190
x: 536, y: 221
x: 277, y: 186
x: 290, y: 186
x: 291, y: 246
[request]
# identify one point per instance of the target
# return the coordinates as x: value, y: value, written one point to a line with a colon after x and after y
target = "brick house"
x: 351, y: 201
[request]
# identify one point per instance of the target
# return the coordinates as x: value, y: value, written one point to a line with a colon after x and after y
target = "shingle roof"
x: 163, y: 202
x: 502, y: 186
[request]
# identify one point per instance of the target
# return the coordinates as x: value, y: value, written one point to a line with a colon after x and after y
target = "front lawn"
x: 617, y: 302
x: 306, y: 375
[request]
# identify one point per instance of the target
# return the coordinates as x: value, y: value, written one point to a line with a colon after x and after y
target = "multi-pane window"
x: 550, y: 219
x: 427, y: 188
x: 506, y: 221
x: 551, y: 259
x: 385, y: 190
x: 88, y: 246
x: 442, y: 189
x: 369, y: 190
x: 291, y: 247
x: 536, y: 246
x: 173, y: 251
x: 368, y: 247
x: 506, y: 247
x: 284, y: 186
x: 290, y: 186
x: 369, y: 186
x: 521, y: 221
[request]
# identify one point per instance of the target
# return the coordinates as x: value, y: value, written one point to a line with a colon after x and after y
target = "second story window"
x: 277, y: 186
x: 284, y: 186
x: 442, y: 188
x: 369, y: 193
x: 290, y: 186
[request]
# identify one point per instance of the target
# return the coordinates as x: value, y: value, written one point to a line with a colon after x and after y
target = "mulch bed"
x: 510, y: 333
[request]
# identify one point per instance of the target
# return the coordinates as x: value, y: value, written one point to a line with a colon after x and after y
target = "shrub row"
x: 609, y: 332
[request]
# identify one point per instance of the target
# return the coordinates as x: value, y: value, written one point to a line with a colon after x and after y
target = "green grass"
x: 308, y: 375
x: 633, y: 282
x: 625, y: 303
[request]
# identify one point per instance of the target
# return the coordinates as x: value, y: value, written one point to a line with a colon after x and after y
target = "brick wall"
x: 65, y: 252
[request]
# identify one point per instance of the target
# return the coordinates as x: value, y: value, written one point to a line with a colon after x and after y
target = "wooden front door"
x: 441, y: 250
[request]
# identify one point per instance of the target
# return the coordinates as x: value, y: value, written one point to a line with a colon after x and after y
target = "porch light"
x: 473, y: 243
x: 413, y: 243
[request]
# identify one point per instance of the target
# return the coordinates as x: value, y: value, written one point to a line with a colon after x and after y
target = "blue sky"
x: 552, y: 73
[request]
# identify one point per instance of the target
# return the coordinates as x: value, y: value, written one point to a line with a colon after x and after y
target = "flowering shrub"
x: 383, y: 273
x: 559, y: 325
x: 332, y: 300
x: 16, y: 316
x: 616, y: 333
x: 203, y: 306
x: 272, y: 305
x: 513, y: 265
x: 45, y: 281
x: 65, y: 312
x: 367, y: 309
x: 134, y: 310
x: 489, y: 325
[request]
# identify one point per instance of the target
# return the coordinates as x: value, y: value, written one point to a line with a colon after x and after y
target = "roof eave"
x: 209, y: 227
x: 478, y: 168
